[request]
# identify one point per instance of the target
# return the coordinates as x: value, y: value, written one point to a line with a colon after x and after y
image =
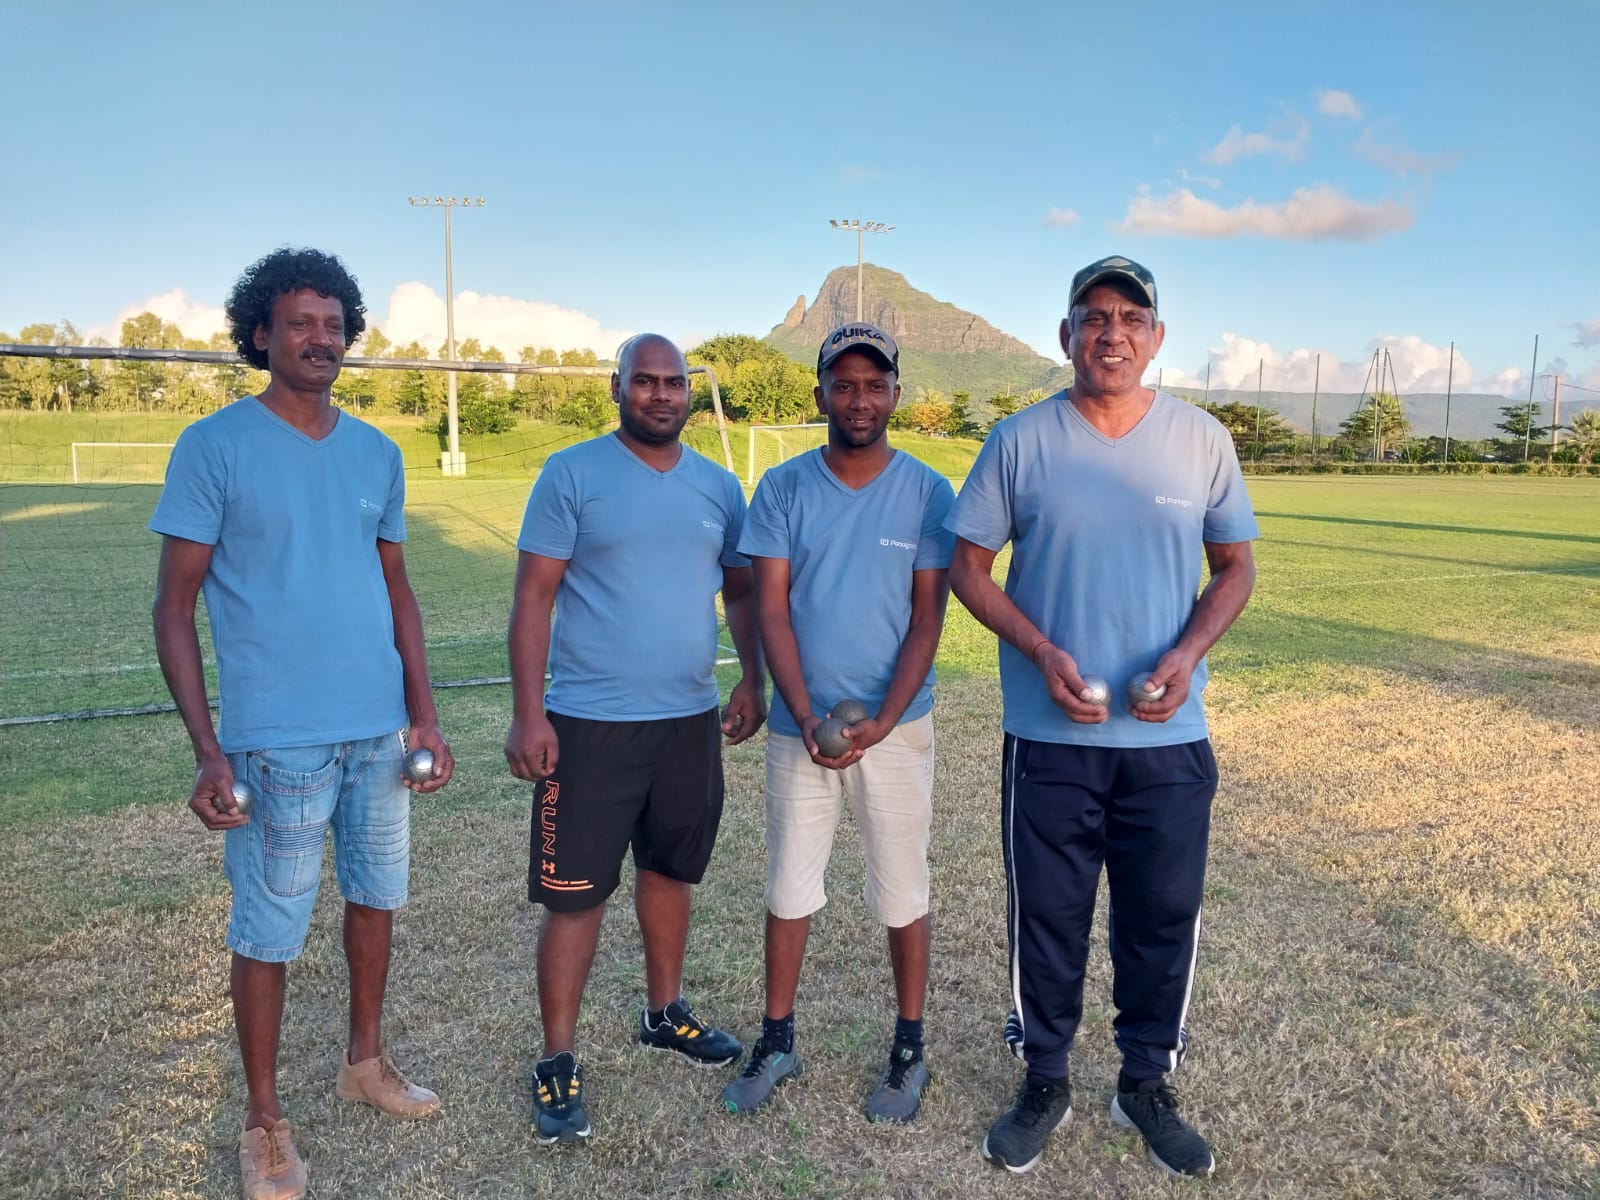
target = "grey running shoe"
x: 558, y: 1115
x: 1170, y: 1141
x: 1016, y: 1139
x: 684, y: 1034
x: 767, y: 1071
x: 899, y: 1093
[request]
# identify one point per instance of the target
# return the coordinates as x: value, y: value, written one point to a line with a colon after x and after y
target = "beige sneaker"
x: 270, y: 1168
x: 378, y: 1082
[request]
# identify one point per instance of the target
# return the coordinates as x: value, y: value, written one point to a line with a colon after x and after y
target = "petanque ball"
x: 419, y: 765
x: 851, y: 711
x: 830, y: 738
x: 243, y: 796
x: 1137, y: 691
x: 1099, y: 691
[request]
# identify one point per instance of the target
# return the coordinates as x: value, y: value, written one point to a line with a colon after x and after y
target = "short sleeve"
x: 733, y: 529
x: 195, y: 494
x: 937, y: 544
x: 550, y: 522
x: 392, y: 528
x: 766, y: 525
x: 1229, y: 517
x: 982, y: 513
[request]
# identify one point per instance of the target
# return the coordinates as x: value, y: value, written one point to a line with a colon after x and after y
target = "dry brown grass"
x: 1396, y: 999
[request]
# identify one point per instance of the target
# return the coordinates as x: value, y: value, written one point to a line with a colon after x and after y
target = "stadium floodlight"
x: 859, y: 228
x: 451, y: 461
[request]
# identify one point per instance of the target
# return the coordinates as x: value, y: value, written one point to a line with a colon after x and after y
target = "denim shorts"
x: 274, y: 863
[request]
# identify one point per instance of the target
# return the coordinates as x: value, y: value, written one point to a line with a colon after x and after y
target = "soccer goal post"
x: 773, y: 444
x: 126, y: 462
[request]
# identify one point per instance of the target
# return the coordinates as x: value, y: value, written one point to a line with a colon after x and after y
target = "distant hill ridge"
x: 942, y: 347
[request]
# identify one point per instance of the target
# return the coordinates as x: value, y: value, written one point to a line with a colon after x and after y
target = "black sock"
x: 778, y: 1032
x: 1127, y: 1083
x: 655, y: 1017
x: 908, y: 1032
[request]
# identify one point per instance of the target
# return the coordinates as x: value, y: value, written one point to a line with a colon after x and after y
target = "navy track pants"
x: 1145, y: 815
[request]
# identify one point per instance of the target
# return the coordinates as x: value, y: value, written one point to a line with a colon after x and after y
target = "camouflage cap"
x: 1115, y: 267
x: 857, y: 335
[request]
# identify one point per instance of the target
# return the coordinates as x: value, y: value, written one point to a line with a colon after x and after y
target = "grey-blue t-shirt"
x: 1106, y: 550
x: 851, y: 554
x: 635, y: 630
x: 300, y: 615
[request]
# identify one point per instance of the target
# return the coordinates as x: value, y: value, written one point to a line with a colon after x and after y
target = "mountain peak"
x: 942, y: 347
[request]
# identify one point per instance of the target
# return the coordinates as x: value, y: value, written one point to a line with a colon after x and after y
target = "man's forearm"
x: 1219, y: 606
x: 178, y: 651
x: 409, y: 641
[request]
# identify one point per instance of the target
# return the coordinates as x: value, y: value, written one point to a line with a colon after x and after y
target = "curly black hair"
x: 250, y: 303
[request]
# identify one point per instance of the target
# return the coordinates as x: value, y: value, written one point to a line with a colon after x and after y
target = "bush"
x: 588, y: 406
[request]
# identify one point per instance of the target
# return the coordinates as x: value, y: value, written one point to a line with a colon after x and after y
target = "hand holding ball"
x: 243, y: 797
x: 830, y: 738
x: 419, y: 765
x: 850, y: 711
x: 1137, y: 690
x: 1096, y: 691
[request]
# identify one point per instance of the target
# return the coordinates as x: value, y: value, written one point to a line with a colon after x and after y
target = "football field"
x: 1397, y: 986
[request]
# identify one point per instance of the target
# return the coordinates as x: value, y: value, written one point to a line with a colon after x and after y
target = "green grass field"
x: 1397, y: 987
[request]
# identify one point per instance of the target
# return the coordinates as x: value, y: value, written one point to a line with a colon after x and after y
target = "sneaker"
x: 681, y: 1032
x: 558, y: 1115
x: 899, y: 1093
x: 378, y: 1082
x: 1170, y: 1141
x: 1016, y: 1140
x: 767, y: 1071
x: 270, y: 1168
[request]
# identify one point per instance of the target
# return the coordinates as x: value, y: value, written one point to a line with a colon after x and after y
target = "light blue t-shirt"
x: 1106, y: 550
x: 851, y: 554
x: 300, y: 615
x: 635, y: 630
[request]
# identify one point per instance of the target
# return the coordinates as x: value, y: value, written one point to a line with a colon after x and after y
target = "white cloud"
x: 1311, y: 214
x: 1209, y: 181
x: 416, y: 312
x: 1331, y: 102
x: 1060, y: 218
x: 1286, y: 137
x: 1588, y: 333
x: 1399, y: 158
x: 193, y: 319
x: 1418, y: 366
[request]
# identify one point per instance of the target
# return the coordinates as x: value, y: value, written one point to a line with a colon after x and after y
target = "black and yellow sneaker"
x: 683, y: 1033
x: 558, y: 1116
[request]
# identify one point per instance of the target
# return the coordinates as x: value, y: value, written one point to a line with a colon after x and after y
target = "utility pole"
x: 1449, y: 386
x: 859, y: 228
x: 1316, y: 386
x: 1527, y: 433
x: 1555, y: 419
x: 451, y: 461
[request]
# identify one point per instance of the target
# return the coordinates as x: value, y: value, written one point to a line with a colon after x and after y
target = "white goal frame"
x: 750, y: 463
x: 131, y: 445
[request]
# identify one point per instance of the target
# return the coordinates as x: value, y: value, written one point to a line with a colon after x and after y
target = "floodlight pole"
x: 452, y: 461
x: 860, y: 228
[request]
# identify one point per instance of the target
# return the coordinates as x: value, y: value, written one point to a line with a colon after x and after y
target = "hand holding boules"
x: 419, y: 764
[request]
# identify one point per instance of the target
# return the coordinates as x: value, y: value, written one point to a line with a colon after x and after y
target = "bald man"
x: 629, y: 537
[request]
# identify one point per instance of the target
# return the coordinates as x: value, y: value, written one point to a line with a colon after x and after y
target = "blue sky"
x: 1302, y: 178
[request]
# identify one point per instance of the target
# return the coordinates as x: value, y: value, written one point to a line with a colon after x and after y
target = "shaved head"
x: 629, y: 348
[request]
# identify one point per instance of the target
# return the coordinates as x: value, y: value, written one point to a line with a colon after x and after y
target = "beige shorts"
x: 891, y: 795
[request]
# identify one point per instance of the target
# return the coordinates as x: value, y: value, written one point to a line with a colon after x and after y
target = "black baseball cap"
x: 1115, y: 267
x: 857, y: 335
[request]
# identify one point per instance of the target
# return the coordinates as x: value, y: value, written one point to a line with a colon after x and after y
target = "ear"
x: 616, y: 388
x: 1160, y: 336
x: 260, y: 337
x: 816, y: 392
x: 1066, y: 336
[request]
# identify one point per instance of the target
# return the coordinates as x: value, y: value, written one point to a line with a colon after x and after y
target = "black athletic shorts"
x: 656, y: 785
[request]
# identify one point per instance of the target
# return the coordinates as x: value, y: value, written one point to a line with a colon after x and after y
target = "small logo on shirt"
x: 365, y: 503
x: 712, y: 525
x: 897, y: 544
x: 1175, y: 500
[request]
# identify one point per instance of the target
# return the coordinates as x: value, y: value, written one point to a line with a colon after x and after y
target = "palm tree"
x: 1586, y: 434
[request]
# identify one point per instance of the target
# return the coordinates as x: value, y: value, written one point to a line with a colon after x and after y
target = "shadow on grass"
x: 1423, y: 527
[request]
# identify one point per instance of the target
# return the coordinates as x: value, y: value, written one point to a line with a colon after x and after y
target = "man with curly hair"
x: 288, y: 514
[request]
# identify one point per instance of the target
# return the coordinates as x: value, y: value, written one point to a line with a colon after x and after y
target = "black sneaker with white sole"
x: 1170, y: 1141
x: 683, y: 1033
x: 1016, y: 1140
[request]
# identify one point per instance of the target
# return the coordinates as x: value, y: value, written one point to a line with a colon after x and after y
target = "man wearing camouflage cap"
x: 1108, y: 494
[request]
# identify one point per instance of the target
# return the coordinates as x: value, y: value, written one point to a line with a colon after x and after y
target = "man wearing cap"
x: 1108, y: 493
x: 851, y: 561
